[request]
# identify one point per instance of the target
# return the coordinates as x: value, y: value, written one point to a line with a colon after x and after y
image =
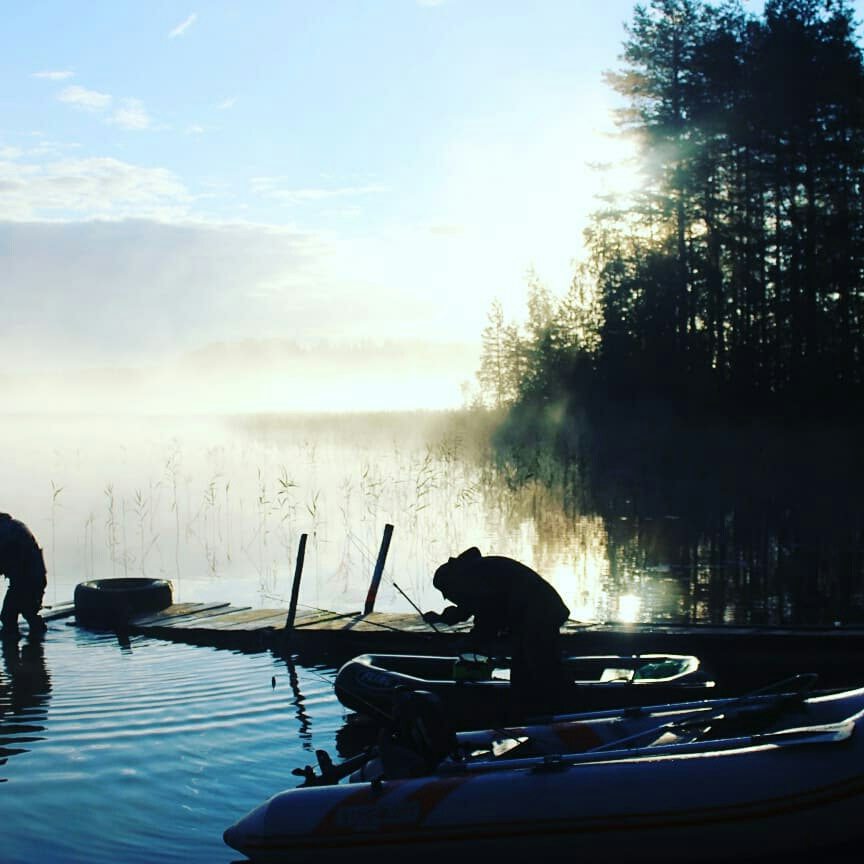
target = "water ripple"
x: 148, y: 750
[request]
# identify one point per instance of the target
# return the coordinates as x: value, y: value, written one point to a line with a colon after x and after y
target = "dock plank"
x: 177, y: 612
x: 183, y: 621
x: 264, y: 622
x: 243, y: 617
x: 319, y: 616
x: 57, y: 611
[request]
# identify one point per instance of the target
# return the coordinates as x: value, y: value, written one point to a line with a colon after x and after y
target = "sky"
x: 173, y: 176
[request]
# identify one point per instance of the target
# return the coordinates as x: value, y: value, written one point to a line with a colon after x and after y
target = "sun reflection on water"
x: 629, y: 606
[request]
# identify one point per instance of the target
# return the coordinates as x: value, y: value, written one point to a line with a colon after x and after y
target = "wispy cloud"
x: 225, y: 104
x: 89, y: 188
x: 128, y: 114
x: 271, y: 187
x: 87, y: 100
x: 446, y: 230
x: 166, y: 285
x: 183, y: 26
x: 131, y: 115
x: 53, y: 74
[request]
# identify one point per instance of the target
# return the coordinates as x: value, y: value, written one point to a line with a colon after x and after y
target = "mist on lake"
x: 217, y: 505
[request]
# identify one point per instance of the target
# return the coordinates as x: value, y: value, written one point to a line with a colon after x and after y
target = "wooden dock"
x: 222, y: 625
x: 747, y: 656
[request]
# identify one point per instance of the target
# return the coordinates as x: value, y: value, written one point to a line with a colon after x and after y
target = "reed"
x: 235, y: 511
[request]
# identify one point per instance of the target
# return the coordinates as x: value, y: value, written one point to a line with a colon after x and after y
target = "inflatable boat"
x: 790, y: 785
x: 475, y: 689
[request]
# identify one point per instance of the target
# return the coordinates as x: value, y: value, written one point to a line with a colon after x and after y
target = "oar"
x: 758, y: 702
x: 828, y: 734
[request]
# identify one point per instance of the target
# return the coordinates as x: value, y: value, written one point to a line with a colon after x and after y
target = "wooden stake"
x: 379, y: 569
x: 295, y: 587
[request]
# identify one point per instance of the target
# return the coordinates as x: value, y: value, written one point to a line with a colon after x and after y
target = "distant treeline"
x: 731, y: 281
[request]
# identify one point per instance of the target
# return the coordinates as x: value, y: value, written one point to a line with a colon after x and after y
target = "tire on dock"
x: 110, y: 603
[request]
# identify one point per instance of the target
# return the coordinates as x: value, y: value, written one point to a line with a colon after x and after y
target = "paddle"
x: 801, y: 685
x: 827, y: 734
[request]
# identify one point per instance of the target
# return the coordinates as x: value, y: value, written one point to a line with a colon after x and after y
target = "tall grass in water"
x: 219, y: 509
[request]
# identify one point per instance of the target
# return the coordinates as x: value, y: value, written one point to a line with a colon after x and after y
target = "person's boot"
x: 10, y: 633
x: 37, y: 627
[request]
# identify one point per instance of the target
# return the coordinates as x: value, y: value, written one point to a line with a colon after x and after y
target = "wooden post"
x: 295, y: 587
x: 379, y: 569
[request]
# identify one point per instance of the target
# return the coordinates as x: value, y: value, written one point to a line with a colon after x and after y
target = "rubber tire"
x: 111, y: 603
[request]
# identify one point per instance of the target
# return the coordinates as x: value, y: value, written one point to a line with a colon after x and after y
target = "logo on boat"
x: 373, y: 817
x: 376, y: 678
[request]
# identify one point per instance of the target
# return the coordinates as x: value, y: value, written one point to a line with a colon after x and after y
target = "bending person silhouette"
x: 21, y: 562
x: 507, y: 598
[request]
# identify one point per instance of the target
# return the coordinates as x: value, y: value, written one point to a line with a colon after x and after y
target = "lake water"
x: 146, y: 752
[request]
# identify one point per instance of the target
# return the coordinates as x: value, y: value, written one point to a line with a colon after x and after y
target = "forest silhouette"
x: 700, y: 383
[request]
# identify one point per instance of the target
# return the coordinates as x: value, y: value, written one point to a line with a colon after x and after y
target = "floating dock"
x: 748, y: 656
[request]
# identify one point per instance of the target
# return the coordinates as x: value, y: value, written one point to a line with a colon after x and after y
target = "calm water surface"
x: 147, y: 752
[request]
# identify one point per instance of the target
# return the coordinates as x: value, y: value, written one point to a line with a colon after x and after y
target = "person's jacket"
x: 20, y: 555
x: 501, y: 593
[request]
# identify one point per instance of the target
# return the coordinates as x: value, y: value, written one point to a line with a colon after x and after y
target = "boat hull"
x: 368, y: 684
x: 795, y: 793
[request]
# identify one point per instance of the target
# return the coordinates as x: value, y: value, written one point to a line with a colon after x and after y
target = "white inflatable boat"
x: 687, y: 786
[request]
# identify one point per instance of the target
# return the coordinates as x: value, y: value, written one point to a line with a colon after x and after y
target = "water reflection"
x: 703, y: 522
x: 304, y: 730
x: 25, y: 688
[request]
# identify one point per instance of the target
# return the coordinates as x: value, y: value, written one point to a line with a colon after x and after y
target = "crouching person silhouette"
x: 21, y: 562
x: 505, y: 597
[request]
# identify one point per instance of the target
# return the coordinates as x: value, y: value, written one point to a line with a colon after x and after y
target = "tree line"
x: 732, y: 278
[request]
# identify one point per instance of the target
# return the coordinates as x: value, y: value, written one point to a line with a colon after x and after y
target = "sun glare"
x: 628, y: 608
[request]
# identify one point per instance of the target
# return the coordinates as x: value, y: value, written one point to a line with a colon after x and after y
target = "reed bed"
x: 217, y: 505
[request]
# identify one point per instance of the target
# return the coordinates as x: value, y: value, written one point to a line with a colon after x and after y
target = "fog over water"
x: 248, y: 376
x: 217, y: 505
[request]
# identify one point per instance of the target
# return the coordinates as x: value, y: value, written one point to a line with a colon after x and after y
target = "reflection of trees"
x: 707, y: 522
x: 25, y: 686
x: 767, y: 525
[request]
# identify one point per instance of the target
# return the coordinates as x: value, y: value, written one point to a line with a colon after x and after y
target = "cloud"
x: 183, y: 26
x: 87, y: 100
x: 89, y: 188
x: 270, y: 187
x: 54, y: 75
x: 130, y: 290
x: 227, y: 103
x: 446, y: 230
x: 131, y: 115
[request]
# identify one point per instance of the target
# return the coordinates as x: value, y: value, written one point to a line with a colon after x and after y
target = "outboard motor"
x: 420, y: 738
